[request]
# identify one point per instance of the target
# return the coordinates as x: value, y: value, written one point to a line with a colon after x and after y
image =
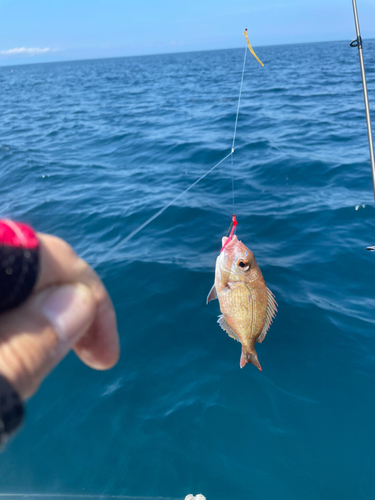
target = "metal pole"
x: 358, y: 43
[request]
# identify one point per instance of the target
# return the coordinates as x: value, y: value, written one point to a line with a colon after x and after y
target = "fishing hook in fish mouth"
x: 233, y: 225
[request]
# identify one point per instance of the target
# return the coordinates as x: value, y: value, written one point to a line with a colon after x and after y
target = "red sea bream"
x: 247, y: 305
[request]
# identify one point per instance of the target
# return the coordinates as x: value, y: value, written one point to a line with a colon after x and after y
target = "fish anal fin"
x: 224, y: 325
x: 212, y: 295
x: 251, y: 357
x: 270, y: 314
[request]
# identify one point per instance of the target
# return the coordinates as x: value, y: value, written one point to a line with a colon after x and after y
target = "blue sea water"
x: 90, y: 150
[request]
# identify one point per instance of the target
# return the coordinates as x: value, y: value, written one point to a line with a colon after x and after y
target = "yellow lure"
x: 251, y: 49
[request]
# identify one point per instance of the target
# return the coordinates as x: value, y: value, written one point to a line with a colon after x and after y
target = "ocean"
x: 91, y: 149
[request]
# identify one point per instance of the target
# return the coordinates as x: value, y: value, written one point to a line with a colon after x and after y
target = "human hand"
x: 68, y: 308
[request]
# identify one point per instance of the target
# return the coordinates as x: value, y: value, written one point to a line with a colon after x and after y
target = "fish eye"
x: 243, y: 265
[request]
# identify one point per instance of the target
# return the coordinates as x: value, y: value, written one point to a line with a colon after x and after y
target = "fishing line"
x: 235, y: 126
x: 232, y: 171
x: 159, y: 212
x: 239, y: 100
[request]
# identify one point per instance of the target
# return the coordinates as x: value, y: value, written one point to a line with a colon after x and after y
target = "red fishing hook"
x: 234, y: 224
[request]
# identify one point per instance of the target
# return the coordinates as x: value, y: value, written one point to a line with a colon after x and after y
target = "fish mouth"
x: 233, y: 242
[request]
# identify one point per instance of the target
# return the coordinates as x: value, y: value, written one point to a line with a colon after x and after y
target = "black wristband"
x: 11, y: 410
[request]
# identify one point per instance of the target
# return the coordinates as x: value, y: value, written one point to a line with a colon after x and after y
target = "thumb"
x: 37, y: 335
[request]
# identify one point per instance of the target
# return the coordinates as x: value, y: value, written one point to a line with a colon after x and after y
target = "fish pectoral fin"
x: 224, y: 325
x: 270, y: 314
x: 212, y: 295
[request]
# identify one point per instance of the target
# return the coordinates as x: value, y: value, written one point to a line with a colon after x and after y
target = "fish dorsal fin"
x: 212, y: 295
x: 270, y: 314
x: 226, y: 328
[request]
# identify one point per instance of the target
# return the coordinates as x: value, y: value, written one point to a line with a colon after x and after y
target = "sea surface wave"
x: 89, y: 151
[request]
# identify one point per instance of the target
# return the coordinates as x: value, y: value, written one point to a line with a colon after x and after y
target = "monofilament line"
x: 153, y: 217
x: 239, y: 100
x: 232, y: 171
x: 235, y: 125
x: 159, y: 212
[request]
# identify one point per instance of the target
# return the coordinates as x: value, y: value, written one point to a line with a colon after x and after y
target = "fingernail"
x: 70, y: 310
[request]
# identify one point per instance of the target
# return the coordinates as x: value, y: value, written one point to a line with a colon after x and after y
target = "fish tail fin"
x: 251, y: 357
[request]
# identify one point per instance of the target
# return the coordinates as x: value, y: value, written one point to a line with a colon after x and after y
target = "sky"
x: 58, y: 30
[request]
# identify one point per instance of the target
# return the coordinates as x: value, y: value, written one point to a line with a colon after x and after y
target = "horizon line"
x: 168, y: 53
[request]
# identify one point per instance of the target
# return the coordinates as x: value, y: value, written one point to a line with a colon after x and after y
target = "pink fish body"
x: 247, y: 305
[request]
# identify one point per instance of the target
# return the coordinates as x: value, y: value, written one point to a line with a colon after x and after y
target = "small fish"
x: 247, y: 305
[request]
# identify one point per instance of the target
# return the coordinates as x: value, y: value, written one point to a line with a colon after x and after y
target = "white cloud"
x: 31, y: 51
